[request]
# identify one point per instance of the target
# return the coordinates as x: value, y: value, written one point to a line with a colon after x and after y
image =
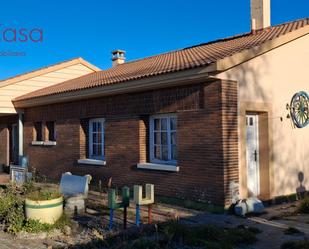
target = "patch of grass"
x: 292, y: 231
x: 34, y: 226
x: 196, y: 205
x: 295, y: 245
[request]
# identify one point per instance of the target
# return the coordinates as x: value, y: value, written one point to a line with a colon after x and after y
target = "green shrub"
x: 12, y: 214
x: 29, y: 187
x: 11, y: 209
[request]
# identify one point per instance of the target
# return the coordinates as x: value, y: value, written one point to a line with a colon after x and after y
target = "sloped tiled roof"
x: 187, y: 58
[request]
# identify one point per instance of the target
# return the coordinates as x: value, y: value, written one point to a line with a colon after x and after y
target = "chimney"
x: 260, y: 14
x: 118, y: 57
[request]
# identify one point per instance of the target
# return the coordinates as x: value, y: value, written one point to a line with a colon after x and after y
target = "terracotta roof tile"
x: 187, y: 58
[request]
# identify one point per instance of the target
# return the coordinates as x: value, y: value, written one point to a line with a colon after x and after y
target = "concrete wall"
x: 266, y: 84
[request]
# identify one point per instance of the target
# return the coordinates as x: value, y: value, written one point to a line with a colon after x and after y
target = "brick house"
x: 191, y: 121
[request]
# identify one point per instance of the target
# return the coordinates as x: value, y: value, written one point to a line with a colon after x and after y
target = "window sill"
x: 91, y: 162
x: 42, y: 143
x: 50, y: 143
x: 155, y: 166
x: 37, y: 143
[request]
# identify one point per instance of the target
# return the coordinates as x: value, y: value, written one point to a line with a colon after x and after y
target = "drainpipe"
x: 20, y: 136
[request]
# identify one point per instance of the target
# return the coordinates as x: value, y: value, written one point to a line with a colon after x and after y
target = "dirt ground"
x: 273, y: 223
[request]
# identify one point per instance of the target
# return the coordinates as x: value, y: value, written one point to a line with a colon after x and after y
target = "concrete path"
x: 8, y: 241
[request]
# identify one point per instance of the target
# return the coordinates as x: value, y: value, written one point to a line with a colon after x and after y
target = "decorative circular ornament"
x: 299, y: 109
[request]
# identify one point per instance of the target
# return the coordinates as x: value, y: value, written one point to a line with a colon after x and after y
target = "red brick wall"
x: 5, y: 128
x: 4, y: 144
x: 54, y: 160
x: 230, y: 136
x: 202, y: 110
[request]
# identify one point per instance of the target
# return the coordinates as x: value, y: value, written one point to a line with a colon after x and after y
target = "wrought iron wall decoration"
x: 299, y: 109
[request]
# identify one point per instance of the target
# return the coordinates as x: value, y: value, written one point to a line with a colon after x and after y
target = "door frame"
x: 264, y: 110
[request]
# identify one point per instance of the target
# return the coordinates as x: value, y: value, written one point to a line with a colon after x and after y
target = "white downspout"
x: 20, y: 136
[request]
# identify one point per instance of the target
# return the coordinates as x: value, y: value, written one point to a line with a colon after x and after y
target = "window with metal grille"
x: 96, y: 138
x: 163, y: 139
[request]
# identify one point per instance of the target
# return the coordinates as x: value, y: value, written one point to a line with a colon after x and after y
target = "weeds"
x: 43, y: 195
x: 174, y: 235
x: 34, y: 226
x: 292, y: 231
x: 190, y: 204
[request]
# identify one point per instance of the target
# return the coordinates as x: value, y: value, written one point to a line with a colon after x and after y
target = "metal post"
x: 149, y: 214
x: 137, y: 217
x: 111, y: 218
x: 125, y: 218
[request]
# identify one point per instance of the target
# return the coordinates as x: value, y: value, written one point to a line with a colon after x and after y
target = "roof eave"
x: 190, y: 76
x: 49, y: 69
x: 88, y: 64
x: 241, y: 57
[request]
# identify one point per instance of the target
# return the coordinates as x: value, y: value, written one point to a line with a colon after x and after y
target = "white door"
x: 252, y: 151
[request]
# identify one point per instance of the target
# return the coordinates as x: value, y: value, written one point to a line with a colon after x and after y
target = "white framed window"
x: 163, y: 139
x: 96, y: 138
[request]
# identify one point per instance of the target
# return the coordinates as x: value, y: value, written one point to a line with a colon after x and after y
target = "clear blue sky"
x: 93, y: 28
